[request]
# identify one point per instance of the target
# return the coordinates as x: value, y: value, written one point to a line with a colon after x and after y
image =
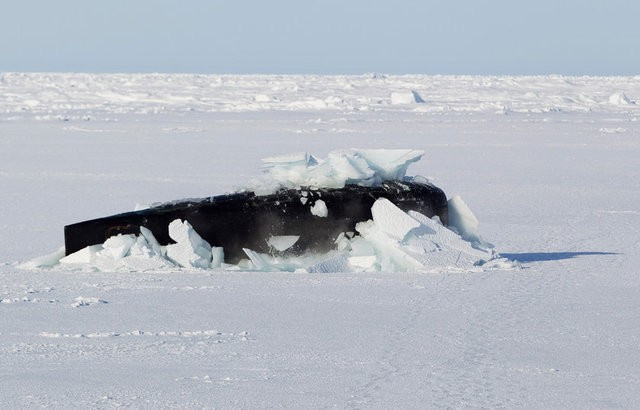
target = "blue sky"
x: 330, y: 36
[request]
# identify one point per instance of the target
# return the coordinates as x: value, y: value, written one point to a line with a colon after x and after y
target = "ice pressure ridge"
x: 104, y: 97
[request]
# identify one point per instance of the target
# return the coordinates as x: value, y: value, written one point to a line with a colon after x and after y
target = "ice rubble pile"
x: 141, y: 252
x: 341, y: 167
x: 393, y: 240
x: 397, y: 241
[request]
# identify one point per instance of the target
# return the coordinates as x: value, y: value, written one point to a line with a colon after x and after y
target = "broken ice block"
x: 190, y: 250
x: 391, y: 219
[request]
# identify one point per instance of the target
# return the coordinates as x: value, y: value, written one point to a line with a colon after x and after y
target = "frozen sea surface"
x: 549, y: 165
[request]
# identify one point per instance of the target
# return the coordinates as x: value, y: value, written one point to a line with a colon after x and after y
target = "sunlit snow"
x: 407, y: 316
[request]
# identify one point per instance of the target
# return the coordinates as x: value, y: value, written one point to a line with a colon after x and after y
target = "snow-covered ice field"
x: 549, y: 165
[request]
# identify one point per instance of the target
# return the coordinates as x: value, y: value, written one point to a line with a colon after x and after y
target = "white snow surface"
x: 547, y: 164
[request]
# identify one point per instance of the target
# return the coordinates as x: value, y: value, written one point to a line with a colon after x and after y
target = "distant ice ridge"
x: 392, y: 241
x: 104, y: 97
x: 366, y: 167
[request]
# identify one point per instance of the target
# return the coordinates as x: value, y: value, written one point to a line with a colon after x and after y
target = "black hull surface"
x: 244, y: 220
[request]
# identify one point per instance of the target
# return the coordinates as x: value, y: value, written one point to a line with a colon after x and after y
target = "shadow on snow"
x: 549, y: 256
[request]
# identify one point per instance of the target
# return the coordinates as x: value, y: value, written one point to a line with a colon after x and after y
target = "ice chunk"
x: 389, y: 253
x: 190, y: 250
x: 144, y: 254
x: 391, y: 219
x: 363, y: 262
x: 406, y: 97
x: 122, y: 252
x: 152, y: 241
x: 390, y: 164
x: 463, y: 220
x: 259, y: 261
x: 117, y: 247
x: 419, y: 179
x: 361, y: 247
x: 297, y: 159
x: 143, y: 249
x: 341, y: 167
x: 319, y: 209
x: 217, y: 256
x: 283, y: 242
x: 83, y: 256
x: 337, y: 263
x: 342, y: 242
x: 140, y: 248
x: 399, y: 241
x: 619, y: 98
x: 437, y: 246
x: 135, y: 263
x: 82, y: 301
x: 45, y: 261
x: 346, y: 167
x: 140, y: 207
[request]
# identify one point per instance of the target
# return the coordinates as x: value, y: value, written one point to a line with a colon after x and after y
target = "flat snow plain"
x: 549, y: 165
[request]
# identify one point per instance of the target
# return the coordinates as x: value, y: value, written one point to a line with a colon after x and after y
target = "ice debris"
x: 282, y: 242
x: 392, y: 220
x: 44, y: 261
x: 464, y: 222
x: 406, y: 97
x: 140, y: 253
x: 319, y: 209
x: 619, y: 99
x: 82, y: 301
x: 190, y: 250
x: 392, y: 241
x: 365, y: 167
